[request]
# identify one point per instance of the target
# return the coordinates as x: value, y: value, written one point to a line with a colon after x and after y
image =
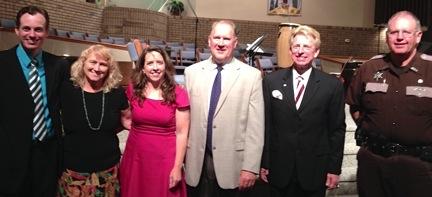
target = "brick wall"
x: 72, y: 15
x: 134, y: 23
x: 348, y: 41
x: 182, y: 29
x: 362, y: 42
x: 77, y: 15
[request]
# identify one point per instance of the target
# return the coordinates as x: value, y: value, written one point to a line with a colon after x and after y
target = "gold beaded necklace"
x: 86, y: 113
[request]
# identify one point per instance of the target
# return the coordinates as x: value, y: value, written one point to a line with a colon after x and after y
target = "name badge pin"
x: 420, y: 81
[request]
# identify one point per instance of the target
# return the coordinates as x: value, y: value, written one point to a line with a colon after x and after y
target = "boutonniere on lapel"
x: 277, y: 94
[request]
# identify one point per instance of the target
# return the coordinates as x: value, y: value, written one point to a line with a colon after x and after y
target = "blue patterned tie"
x: 39, y: 123
x: 216, y: 90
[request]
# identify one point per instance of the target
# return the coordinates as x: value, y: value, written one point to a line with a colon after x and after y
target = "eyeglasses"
x: 305, y: 48
x: 403, y: 33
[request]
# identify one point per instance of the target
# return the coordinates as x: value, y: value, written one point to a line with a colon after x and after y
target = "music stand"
x: 253, y: 49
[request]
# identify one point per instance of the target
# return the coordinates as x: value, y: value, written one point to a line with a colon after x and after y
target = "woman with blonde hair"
x: 92, y: 105
x: 159, y: 123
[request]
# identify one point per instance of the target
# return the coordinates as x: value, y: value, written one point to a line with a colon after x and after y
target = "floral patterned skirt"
x: 97, y: 184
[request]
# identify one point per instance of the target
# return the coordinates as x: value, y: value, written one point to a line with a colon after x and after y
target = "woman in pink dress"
x: 152, y: 164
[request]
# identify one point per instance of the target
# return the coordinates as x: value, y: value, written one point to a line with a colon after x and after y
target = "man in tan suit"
x: 227, y: 120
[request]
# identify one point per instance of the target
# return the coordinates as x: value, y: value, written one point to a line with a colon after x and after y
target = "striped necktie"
x: 39, y: 123
x: 300, y: 89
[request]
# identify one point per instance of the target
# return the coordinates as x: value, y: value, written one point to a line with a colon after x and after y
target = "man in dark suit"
x: 29, y: 115
x: 304, y: 124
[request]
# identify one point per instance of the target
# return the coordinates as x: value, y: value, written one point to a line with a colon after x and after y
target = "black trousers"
x: 396, y: 176
x: 42, y: 176
x: 208, y: 186
x: 295, y: 189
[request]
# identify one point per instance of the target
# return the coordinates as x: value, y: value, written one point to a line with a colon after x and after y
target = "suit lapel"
x: 49, y: 65
x: 311, y: 88
x: 287, y: 89
x: 21, y: 82
x: 229, y: 78
x: 206, y: 88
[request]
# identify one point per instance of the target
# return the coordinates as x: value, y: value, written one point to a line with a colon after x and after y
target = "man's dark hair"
x: 32, y: 10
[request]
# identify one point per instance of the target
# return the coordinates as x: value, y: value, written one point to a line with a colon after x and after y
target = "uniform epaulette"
x: 378, y: 56
x: 426, y: 57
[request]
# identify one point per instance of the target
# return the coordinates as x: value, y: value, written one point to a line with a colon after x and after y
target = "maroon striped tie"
x: 299, y: 90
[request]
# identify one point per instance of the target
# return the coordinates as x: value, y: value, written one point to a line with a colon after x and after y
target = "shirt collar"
x: 413, y: 66
x: 229, y: 64
x: 305, y: 75
x: 25, y: 58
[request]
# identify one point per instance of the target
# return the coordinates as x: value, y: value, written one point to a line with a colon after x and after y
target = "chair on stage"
x: 203, y: 56
x: 118, y: 40
x: 7, y: 23
x: 62, y: 33
x: 135, y: 49
x: 187, y: 58
x: 76, y: 35
x: 265, y: 65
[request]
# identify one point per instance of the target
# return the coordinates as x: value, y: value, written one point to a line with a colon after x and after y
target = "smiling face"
x: 403, y: 35
x: 303, y: 52
x: 32, y: 31
x: 95, y: 69
x: 154, y: 67
x: 222, y: 42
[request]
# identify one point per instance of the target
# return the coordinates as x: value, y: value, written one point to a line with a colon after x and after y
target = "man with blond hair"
x: 304, y: 123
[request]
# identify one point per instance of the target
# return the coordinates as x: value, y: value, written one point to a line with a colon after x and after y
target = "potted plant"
x: 175, y: 7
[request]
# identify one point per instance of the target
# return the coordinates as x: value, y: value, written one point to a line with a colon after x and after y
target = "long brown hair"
x: 139, y: 79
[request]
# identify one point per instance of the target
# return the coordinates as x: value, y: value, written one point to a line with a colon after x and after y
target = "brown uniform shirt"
x: 394, y: 102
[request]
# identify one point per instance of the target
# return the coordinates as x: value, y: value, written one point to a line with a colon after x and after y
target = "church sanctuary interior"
x: 351, y: 32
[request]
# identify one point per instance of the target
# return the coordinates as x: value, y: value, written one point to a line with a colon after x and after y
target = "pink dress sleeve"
x: 182, y: 99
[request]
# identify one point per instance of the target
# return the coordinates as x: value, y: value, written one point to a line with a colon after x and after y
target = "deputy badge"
x: 378, y: 75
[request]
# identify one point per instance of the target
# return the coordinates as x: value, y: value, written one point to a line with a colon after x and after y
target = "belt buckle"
x: 395, y: 148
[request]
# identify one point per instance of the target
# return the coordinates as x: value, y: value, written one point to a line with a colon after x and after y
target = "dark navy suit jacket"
x: 16, y: 120
x: 309, y: 140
